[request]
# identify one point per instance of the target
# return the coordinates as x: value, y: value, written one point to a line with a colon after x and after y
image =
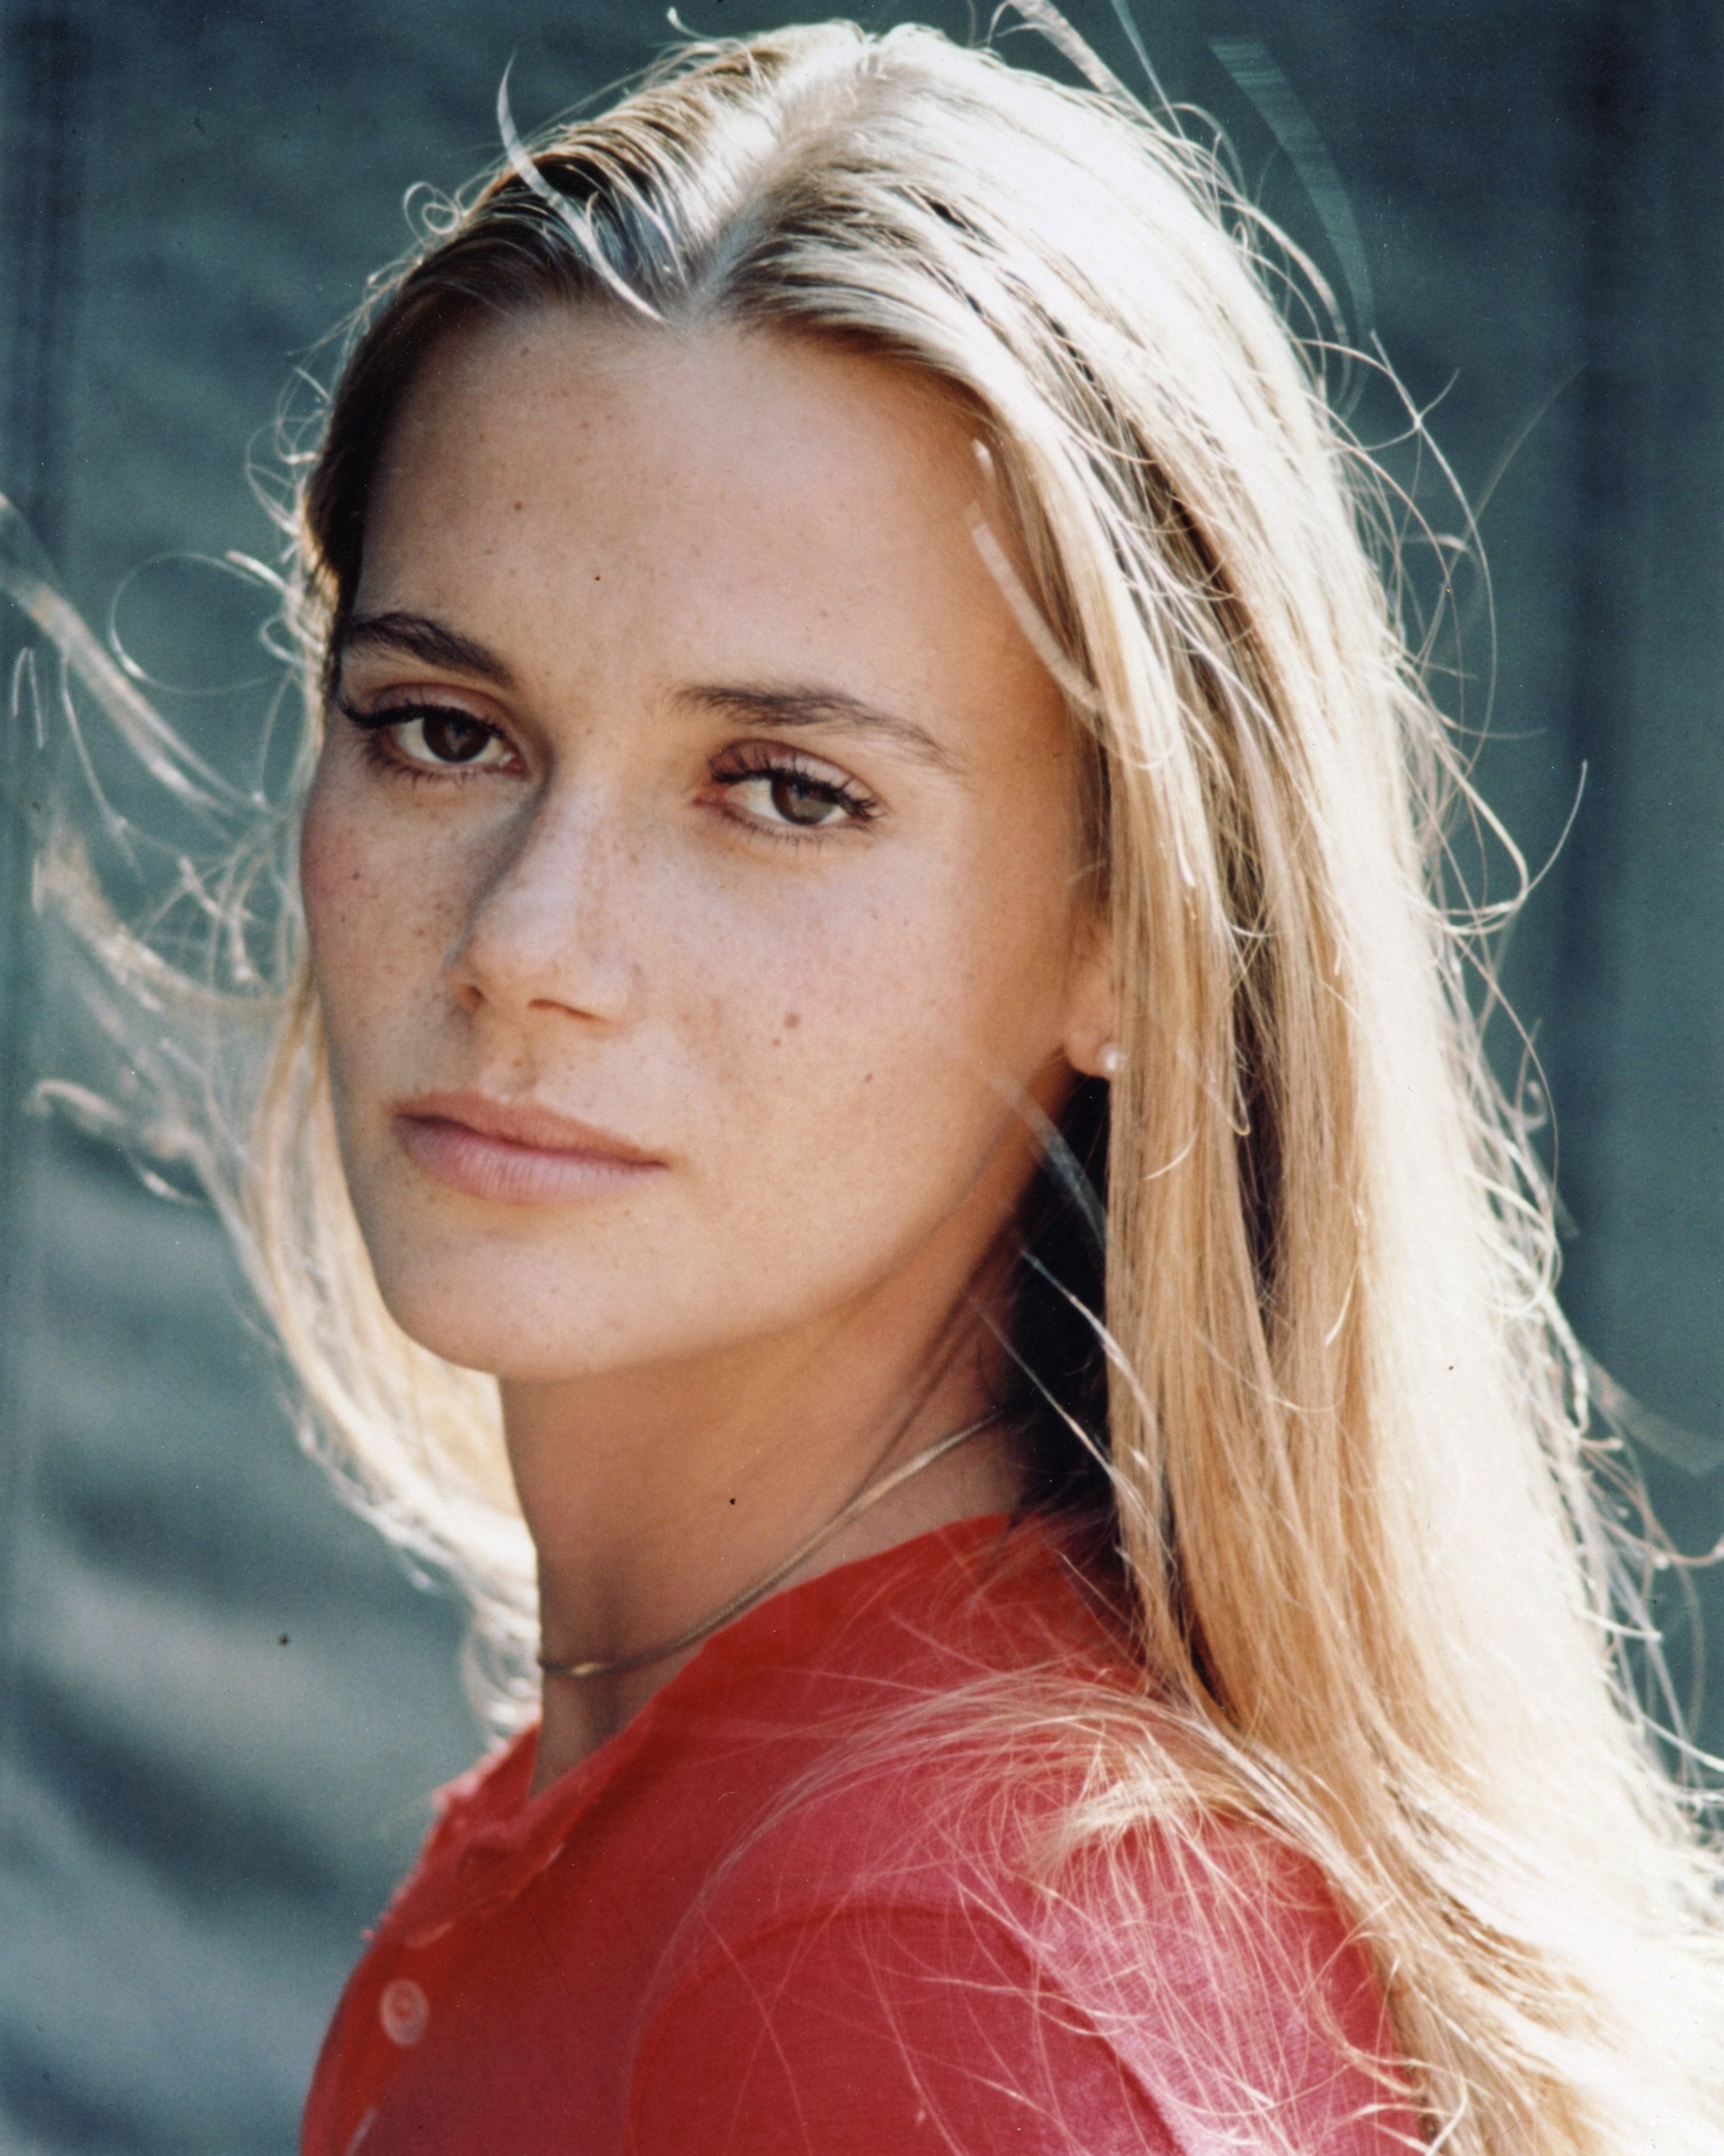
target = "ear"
x: 1089, y: 1041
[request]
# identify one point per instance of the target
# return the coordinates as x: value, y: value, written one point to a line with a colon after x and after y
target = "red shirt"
x: 729, y: 1932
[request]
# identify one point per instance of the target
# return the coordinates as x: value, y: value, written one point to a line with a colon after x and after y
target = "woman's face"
x: 692, y: 866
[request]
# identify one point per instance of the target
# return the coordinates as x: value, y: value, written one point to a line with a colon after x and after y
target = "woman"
x: 874, y: 1134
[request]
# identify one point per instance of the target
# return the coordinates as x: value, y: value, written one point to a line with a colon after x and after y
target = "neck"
x: 655, y: 1498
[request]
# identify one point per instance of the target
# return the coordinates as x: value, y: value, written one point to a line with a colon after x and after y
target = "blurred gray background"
x: 223, y: 1703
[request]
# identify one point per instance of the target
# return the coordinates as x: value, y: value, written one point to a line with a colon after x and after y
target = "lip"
x: 515, y: 1152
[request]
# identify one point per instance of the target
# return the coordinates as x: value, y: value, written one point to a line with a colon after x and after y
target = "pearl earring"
x: 1112, y: 1060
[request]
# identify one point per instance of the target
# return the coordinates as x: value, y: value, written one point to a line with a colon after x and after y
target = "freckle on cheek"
x: 791, y: 1019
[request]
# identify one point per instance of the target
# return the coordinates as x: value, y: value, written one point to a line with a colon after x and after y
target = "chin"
x: 481, y: 1325
x: 512, y: 1306
x: 512, y: 1323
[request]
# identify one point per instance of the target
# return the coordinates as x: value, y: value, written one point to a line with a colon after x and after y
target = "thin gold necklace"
x: 860, y: 1503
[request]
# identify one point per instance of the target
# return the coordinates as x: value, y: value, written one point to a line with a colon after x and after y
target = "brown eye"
x: 798, y: 800
x: 434, y: 737
x: 452, y: 737
x: 782, y: 796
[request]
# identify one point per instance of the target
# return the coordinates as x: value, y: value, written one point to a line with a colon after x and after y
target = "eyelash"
x: 760, y: 760
x: 374, y: 728
x: 735, y: 767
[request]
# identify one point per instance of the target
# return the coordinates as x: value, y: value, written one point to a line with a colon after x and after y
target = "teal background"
x: 222, y: 1702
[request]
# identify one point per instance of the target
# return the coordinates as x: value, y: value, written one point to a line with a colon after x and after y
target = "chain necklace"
x: 861, y: 1503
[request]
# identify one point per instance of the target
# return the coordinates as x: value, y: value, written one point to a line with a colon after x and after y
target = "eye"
x: 780, y: 793
x: 439, y: 734
x: 430, y: 738
x: 790, y: 796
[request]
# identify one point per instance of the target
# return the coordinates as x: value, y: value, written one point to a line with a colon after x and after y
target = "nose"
x: 545, y: 930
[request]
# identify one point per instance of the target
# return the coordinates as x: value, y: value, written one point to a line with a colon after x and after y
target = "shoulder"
x: 861, y: 2029
x: 899, y: 1962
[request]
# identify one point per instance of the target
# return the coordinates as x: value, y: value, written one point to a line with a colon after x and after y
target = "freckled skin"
x: 819, y: 1033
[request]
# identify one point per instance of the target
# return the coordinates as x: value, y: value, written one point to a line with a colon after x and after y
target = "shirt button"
x: 403, y: 2009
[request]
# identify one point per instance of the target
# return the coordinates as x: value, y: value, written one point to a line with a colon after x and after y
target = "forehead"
x: 629, y: 437
x: 766, y: 499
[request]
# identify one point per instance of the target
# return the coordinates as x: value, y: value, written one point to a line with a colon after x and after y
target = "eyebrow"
x: 435, y: 644
x: 796, y: 706
x: 432, y: 642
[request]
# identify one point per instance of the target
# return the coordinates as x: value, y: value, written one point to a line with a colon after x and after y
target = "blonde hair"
x: 1345, y: 1436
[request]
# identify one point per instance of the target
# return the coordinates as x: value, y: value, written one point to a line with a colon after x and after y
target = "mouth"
x: 515, y: 1152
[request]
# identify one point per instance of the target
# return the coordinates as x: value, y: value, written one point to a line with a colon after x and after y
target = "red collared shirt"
x: 771, y: 1917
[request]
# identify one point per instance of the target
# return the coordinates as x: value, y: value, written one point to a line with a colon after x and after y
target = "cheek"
x: 370, y: 916
x: 340, y: 888
x: 328, y: 867
x: 877, y: 1049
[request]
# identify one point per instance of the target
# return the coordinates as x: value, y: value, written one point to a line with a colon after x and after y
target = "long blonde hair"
x: 1346, y: 1429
